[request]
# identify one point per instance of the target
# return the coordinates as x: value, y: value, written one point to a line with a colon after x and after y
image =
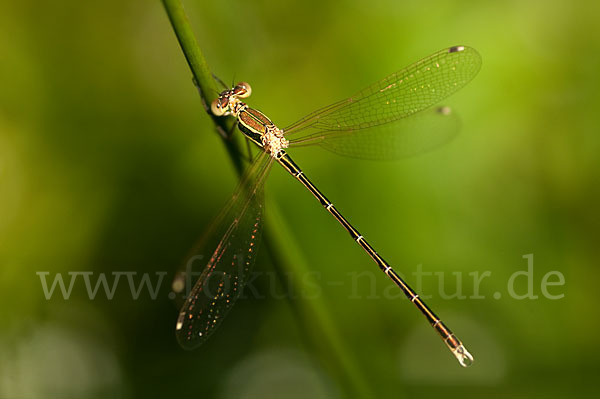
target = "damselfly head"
x: 242, y: 90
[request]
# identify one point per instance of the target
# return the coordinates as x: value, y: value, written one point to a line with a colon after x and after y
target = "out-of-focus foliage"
x: 109, y: 165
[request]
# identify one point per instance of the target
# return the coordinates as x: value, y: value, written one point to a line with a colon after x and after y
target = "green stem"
x: 312, y: 313
x: 190, y: 48
x: 314, y: 317
x: 201, y: 73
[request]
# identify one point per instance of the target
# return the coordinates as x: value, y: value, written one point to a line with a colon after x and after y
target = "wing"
x: 223, y: 275
x: 425, y: 131
x: 401, y: 94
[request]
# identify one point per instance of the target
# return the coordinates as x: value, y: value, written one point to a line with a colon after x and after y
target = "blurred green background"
x: 108, y: 164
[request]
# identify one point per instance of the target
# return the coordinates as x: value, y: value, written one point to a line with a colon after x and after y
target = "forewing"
x: 222, y: 275
x: 401, y: 94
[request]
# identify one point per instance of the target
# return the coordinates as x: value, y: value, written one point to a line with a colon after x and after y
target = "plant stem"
x: 312, y: 313
x: 201, y: 73
x: 190, y: 48
x: 314, y: 317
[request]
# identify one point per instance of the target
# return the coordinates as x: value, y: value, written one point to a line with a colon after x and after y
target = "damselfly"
x: 392, y: 118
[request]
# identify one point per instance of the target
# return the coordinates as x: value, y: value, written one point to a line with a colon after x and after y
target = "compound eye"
x: 242, y: 90
x: 216, y: 107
